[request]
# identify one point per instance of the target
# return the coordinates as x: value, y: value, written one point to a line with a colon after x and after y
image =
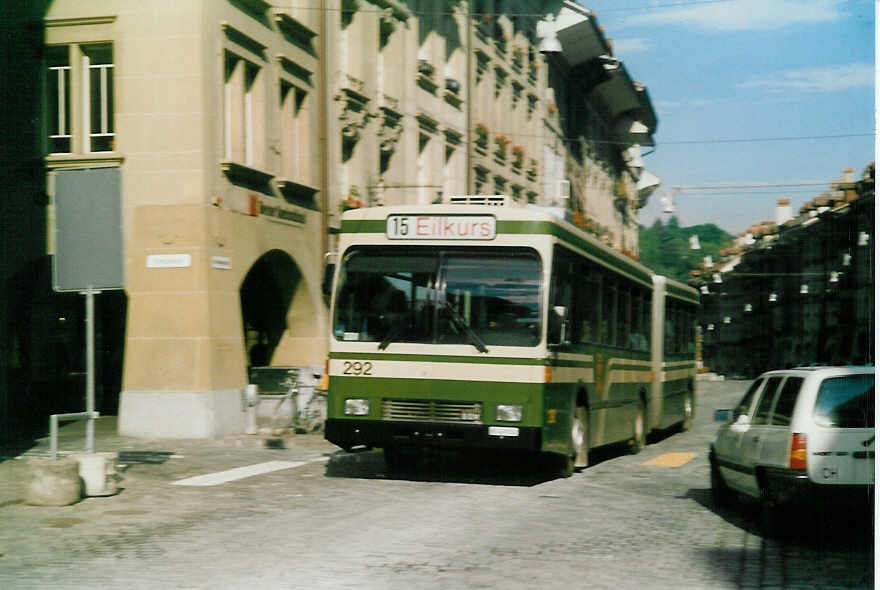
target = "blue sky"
x: 749, y: 70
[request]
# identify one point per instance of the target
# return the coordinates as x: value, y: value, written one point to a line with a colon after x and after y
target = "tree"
x: 665, y: 248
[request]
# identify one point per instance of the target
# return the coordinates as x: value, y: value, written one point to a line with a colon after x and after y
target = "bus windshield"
x: 452, y: 296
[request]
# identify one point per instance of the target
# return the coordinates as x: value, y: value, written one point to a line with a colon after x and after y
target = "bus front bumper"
x: 374, y: 433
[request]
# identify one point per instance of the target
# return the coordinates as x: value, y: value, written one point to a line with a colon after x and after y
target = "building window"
x: 292, y: 101
x: 243, y: 110
x: 58, y: 59
x: 98, y: 69
x: 89, y: 68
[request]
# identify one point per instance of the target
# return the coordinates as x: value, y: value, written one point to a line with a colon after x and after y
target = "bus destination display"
x: 440, y: 227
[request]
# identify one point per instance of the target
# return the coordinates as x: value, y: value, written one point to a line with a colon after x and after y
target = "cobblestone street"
x: 320, y: 518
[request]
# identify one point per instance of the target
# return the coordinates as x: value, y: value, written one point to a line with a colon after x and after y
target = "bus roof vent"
x: 491, y: 200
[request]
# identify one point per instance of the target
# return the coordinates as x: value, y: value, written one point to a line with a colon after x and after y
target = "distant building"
x: 797, y: 291
x: 241, y: 129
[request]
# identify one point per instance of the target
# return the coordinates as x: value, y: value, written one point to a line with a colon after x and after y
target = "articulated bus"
x: 492, y: 325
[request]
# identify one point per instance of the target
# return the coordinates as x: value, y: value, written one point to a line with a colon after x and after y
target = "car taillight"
x: 798, y: 456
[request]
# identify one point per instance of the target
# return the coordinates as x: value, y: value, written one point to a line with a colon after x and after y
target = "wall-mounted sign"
x: 281, y: 214
x: 169, y: 260
x: 221, y: 262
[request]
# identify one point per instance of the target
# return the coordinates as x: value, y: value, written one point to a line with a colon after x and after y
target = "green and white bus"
x: 498, y: 326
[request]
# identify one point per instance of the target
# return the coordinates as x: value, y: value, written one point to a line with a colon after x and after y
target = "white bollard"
x: 252, y: 399
x: 98, y: 472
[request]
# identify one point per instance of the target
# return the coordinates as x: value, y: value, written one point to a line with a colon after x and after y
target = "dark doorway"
x: 266, y: 294
x: 47, y: 368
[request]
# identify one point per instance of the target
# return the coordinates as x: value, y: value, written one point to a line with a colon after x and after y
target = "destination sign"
x: 440, y: 227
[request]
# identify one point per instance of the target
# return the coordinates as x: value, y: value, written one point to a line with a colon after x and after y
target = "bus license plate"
x: 503, y: 431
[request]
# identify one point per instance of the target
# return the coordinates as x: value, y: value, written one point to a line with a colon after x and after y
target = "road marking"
x: 220, y: 477
x: 670, y: 460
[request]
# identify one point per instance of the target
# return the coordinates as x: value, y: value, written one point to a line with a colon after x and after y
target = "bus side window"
x: 624, y: 317
x: 609, y: 310
x: 588, y: 305
x: 669, y: 330
x: 637, y: 338
x: 562, y: 286
x: 691, y: 332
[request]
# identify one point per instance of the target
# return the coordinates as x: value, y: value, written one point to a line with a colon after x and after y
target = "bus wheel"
x: 580, y: 438
x: 639, y: 437
x: 688, y: 413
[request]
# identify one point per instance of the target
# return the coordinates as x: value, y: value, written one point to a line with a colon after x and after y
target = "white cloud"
x: 634, y: 45
x: 824, y: 79
x: 686, y: 104
x: 744, y: 15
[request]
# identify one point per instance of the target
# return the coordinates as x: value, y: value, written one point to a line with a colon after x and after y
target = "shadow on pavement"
x: 831, y: 528
x: 433, y: 465
x: 13, y: 448
x: 773, y: 566
x: 817, y: 547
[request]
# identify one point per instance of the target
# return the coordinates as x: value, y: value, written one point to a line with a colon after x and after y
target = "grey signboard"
x: 88, y: 230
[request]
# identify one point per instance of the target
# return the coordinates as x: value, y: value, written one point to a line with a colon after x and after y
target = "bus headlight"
x: 508, y: 412
x: 357, y: 407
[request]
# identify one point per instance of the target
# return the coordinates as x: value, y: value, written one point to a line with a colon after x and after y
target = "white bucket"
x: 98, y: 472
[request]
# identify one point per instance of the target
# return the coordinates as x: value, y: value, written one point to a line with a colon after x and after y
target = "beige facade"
x: 242, y: 129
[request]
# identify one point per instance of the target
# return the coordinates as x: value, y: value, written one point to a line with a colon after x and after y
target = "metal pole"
x: 468, y: 111
x: 53, y: 436
x: 90, y: 368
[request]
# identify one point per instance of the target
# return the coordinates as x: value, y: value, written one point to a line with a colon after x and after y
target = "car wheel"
x: 721, y: 494
x: 772, y: 520
x: 639, y: 437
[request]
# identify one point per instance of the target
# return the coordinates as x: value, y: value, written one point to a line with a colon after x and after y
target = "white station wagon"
x: 798, y: 435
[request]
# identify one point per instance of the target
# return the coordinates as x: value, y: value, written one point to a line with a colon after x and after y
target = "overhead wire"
x: 654, y: 7
x: 679, y: 189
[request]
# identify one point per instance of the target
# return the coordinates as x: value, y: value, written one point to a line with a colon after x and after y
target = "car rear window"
x: 846, y: 402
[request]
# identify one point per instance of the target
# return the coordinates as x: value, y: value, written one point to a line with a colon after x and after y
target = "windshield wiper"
x: 462, y: 325
x: 394, y: 332
x: 456, y: 319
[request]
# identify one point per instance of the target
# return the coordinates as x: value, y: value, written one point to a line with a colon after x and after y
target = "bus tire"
x: 580, y: 438
x: 639, y: 438
x: 687, y: 419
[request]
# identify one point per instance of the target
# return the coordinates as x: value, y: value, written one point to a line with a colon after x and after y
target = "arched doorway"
x: 266, y: 295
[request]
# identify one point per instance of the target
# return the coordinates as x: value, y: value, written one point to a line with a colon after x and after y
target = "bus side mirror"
x: 327, y: 281
x: 557, y: 329
x: 329, y: 269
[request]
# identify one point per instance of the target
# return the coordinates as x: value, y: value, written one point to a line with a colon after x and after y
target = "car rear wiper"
x: 462, y: 325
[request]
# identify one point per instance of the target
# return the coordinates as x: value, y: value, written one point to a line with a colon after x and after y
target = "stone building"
x: 239, y: 131
x: 798, y: 290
